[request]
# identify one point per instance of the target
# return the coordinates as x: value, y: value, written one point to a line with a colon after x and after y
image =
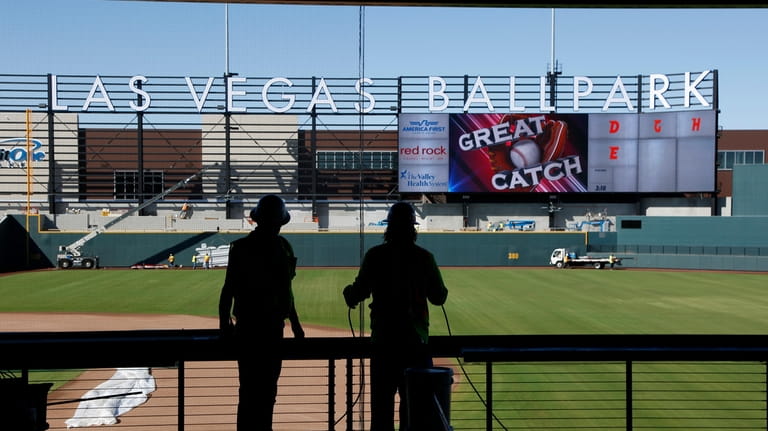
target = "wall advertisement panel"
x: 558, y: 153
x: 423, y: 147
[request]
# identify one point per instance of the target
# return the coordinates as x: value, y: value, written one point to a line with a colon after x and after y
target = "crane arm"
x: 75, y: 247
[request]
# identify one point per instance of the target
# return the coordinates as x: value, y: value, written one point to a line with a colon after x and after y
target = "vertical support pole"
x: 331, y: 393
x: 465, y: 211
x: 181, y: 378
x: 399, y: 95
x: 552, y: 81
x: 29, y: 180
x: 489, y: 396
x: 349, y: 394
x: 552, y: 60
x: 628, y: 395
x: 361, y: 123
x: 51, y: 151
x: 28, y: 161
x: 140, y: 144
x: 313, y: 152
x: 227, y: 148
x: 466, y: 89
x: 716, y: 106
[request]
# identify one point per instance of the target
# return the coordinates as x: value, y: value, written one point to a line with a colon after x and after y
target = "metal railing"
x: 563, y: 382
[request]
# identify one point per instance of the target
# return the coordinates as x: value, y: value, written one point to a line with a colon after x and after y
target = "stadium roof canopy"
x: 489, y: 4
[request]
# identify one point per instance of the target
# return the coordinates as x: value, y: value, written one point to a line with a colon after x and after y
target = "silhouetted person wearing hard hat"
x: 257, y: 293
x: 402, y: 278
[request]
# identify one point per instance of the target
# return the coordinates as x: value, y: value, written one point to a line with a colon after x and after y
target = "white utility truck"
x: 70, y: 256
x: 563, y: 258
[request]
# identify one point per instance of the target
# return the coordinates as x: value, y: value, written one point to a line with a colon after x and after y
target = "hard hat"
x: 401, y: 213
x: 271, y: 210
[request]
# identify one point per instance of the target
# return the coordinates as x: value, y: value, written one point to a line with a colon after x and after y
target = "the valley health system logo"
x: 423, y: 152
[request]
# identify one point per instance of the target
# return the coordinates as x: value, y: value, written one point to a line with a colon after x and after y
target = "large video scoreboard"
x: 671, y: 152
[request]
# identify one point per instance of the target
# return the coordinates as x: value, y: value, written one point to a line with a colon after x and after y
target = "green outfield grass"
x: 480, y: 301
x: 583, y: 396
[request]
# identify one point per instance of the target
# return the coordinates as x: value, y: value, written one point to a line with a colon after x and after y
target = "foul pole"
x: 29, y: 178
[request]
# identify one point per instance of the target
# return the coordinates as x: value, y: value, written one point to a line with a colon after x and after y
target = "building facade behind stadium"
x: 586, y: 158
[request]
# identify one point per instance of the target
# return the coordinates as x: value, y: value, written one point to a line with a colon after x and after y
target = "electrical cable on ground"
x: 466, y: 375
x: 362, y: 383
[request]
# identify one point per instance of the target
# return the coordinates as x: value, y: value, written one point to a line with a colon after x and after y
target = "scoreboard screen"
x: 671, y: 152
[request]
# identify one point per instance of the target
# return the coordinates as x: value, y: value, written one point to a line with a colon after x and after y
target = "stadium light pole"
x: 552, y: 81
x: 553, y: 66
x: 552, y: 42
x: 227, y: 120
x: 226, y: 38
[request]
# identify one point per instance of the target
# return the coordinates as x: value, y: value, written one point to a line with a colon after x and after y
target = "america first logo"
x: 423, y: 127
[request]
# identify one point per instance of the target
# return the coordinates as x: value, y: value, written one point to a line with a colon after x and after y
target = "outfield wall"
x: 729, y: 243
x: 18, y: 251
x: 122, y: 249
x: 722, y: 243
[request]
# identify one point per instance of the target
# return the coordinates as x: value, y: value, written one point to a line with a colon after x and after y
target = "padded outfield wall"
x: 121, y: 249
x: 729, y: 243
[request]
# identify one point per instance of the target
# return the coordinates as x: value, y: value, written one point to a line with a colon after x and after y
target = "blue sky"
x: 188, y: 39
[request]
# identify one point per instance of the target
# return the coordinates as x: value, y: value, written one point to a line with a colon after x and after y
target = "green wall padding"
x: 729, y: 243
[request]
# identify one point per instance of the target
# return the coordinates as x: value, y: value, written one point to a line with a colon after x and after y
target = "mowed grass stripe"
x: 562, y: 396
x: 481, y: 300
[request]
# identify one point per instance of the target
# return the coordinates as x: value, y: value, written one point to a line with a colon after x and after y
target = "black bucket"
x: 24, y: 406
x: 428, y: 396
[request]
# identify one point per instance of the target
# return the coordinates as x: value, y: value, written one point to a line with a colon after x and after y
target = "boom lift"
x: 69, y: 256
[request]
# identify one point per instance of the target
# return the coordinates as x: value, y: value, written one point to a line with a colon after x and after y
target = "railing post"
x: 628, y: 395
x: 181, y: 378
x: 349, y: 395
x: 489, y: 396
x: 331, y: 393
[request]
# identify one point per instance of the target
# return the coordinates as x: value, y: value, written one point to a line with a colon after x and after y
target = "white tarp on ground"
x: 104, y: 403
